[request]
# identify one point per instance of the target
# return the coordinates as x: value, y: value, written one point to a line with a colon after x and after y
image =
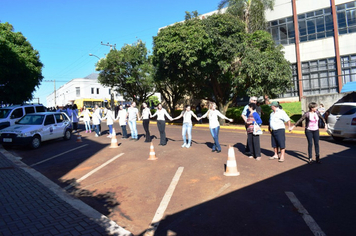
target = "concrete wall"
x: 328, y: 100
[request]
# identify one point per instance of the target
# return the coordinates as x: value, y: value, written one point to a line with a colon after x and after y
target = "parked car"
x: 34, y: 128
x: 9, y: 115
x: 342, y: 121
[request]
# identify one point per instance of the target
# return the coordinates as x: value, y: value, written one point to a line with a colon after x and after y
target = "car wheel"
x: 338, y: 138
x: 67, y: 134
x: 35, y: 142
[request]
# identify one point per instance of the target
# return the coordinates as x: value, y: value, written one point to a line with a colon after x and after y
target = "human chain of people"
x: 251, y: 115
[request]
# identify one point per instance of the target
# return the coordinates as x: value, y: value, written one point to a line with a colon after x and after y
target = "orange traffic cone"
x: 114, y: 143
x: 152, y: 156
x: 231, y: 166
x: 79, y: 138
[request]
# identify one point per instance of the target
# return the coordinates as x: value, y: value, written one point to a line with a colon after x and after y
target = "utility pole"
x: 112, y: 87
x: 108, y: 44
x: 55, y: 90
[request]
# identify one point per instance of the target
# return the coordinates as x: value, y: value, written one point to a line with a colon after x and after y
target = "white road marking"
x: 314, y: 227
x: 164, y: 203
x: 48, y: 159
x: 93, y: 171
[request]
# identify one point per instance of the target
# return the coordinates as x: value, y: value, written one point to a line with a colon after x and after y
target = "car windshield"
x: 343, y: 110
x: 4, y: 112
x: 31, y: 120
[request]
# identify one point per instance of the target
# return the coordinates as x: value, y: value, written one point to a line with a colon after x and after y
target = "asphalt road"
x: 184, y: 192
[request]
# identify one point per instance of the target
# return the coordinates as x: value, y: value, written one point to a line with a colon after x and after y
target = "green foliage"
x: 129, y: 70
x: 20, y: 66
x: 152, y: 101
x: 294, y: 108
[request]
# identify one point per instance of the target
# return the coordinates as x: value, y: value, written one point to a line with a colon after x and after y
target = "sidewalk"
x: 30, y: 204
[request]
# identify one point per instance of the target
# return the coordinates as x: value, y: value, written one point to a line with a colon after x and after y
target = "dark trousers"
x: 161, y: 124
x: 312, y: 135
x: 253, y: 142
x: 124, y: 131
x: 146, y: 123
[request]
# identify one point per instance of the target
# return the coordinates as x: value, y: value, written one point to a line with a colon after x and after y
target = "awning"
x: 349, y: 87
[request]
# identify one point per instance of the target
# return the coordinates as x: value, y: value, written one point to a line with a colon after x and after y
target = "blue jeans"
x: 215, y: 133
x: 96, y: 129
x: 110, y: 129
x: 133, y: 128
x: 87, y: 125
x: 187, y: 128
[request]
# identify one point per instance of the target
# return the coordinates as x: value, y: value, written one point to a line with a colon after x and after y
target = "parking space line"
x: 48, y: 159
x: 314, y: 227
x: 164, y: 203
x: 93, y: 171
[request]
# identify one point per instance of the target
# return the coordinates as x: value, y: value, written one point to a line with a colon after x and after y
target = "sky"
x: 65, y: 32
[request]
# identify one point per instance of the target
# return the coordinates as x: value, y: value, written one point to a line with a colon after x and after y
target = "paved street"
x: 186, y: 189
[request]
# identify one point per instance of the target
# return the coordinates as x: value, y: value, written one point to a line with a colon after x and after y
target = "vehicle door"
x: 49, y: 128
x: 62, y: 124
x: 16, y: 114
x: 341, y: 117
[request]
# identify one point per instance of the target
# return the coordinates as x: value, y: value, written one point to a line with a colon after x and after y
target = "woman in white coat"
x: 109, y: 116
x: 86, y: 118
x: 122, y: 117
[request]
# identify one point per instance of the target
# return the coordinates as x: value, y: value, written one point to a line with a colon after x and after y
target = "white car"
x: 342, y: 121
x: 32, y: 129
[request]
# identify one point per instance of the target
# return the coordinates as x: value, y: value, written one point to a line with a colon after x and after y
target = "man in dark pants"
x: 244, y: 116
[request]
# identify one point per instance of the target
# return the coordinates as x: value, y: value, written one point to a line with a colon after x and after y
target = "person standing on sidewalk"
x: 253, y: 141
x: 86, y: 118
x: 244, y: 115
x: 132, y: 115
x: 146, y: 113
x: 277, y: 129
x: 75, y: 118
x: 161, y: 123
x: 187, y: 125
x: 311, y: 118
x: 122, y: 117
x: 109, y: 116
x: 214, y: 124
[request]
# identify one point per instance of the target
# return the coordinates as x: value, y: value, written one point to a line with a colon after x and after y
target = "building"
x: 79, y: 89
x: 323, y: 49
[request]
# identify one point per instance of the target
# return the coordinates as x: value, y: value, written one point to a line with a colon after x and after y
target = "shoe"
x: 188, y: 146
x: 281, y: 160
x: 218, y: 151
x: 258, y: 158
x: 250, y: 157
x: 99, y: 133
x: 109, y: 136
x: 272, y: 158
x: 310, y: 161
x: 86, y: 131
x: 89, y: 131
x: 213, y: 150
x: 183, y: 145
x: 96, y: 135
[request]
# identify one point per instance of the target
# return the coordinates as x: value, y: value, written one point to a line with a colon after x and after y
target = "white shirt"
x: 146, y: 113
x: 213, y: 118
x: 109, y: 117
x: 277, y: 119
x: 121, y: 116
x: 187, y: 117
x: 96, y: 116
x: 86, y: 115
x: 161, y: 113
x: 133, y: 111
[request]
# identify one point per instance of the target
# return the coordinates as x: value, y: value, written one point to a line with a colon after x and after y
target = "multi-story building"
x: 87, y: 88
x: 323, y: 48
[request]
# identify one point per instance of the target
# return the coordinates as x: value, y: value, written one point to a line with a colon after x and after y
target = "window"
x: 49, y: 120
x: 97, y: 91
x: 40, y: 109
x: 348, y: 68
x: 282, y: 31
x: 346, y: 17
x: 293, y: 91
x: 60, y: 118
x: 92, y: 90
x: 77, y: 91
x: 29, y: 110
x: 17, y: 113
x: 315, y: 25
x: 109, y: 91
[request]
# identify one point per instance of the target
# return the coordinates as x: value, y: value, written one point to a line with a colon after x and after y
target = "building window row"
x: 320, y: 76
x: 314, y: 25
x: 93, y: 90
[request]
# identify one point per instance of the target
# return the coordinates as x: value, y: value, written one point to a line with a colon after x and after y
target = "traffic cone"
x: 114, y: 143
x: 79, y: 138
x: 152, y: 156
x: 231, y: 166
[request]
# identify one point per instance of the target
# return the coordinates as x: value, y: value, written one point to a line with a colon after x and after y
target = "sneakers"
x: 96, y: 135
x: 89, y: 131
x: 184, y: 145
x: 187, y: 146
x: 258, y: 158
x: 86, y: 131
x: 109, y: 136
x: 274, y: 157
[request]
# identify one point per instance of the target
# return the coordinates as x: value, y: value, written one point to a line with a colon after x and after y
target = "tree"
x: 252, y: 12
x: 129, y: 71
x: 20, y: 66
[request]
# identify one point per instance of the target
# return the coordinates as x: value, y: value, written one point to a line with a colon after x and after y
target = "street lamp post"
x: 111, y: 90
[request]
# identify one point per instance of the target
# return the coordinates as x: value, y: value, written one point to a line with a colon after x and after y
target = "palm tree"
x: 252, y: 12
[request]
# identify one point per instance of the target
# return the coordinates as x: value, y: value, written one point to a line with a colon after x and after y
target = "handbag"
x: 257, y: 129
